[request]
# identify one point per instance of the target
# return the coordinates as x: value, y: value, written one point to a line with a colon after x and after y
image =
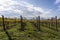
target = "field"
x: 23, y: 29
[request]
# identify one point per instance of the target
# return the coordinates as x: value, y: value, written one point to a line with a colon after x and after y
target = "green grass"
x: 30, y: 33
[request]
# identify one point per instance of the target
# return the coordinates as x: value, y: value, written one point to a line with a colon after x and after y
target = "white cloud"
x: 18, y: 11
x: 59, y: 8
x: 22, y: 8
x: 40, y: 10
x: 7, y: 5
x: 57, y: 1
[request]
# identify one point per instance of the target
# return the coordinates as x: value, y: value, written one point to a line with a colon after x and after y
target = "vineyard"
x: 34, y: 29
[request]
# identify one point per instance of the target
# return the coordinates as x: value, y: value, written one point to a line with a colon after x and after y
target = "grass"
x: 30, y: 32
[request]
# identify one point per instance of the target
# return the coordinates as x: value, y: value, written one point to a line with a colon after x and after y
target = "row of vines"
x: 52, y: 26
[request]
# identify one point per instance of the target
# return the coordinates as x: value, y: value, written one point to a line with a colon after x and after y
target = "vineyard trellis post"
x: 49, y: 23
x: 52, y: 21
x: 22, y: 24
x: 56, y: 23
x: 15, y: 21
x: 4, y: 28
x: 38, y: 23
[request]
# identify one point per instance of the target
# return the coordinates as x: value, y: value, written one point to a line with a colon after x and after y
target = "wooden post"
x: 15, y: 21
x: 38, y: 23
x: 56, y: 23
x: 9, y: 37
x: 49, y: 23
x: 22, y: 24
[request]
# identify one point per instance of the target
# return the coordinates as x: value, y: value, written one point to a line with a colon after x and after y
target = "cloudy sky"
x: 30, y: 8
